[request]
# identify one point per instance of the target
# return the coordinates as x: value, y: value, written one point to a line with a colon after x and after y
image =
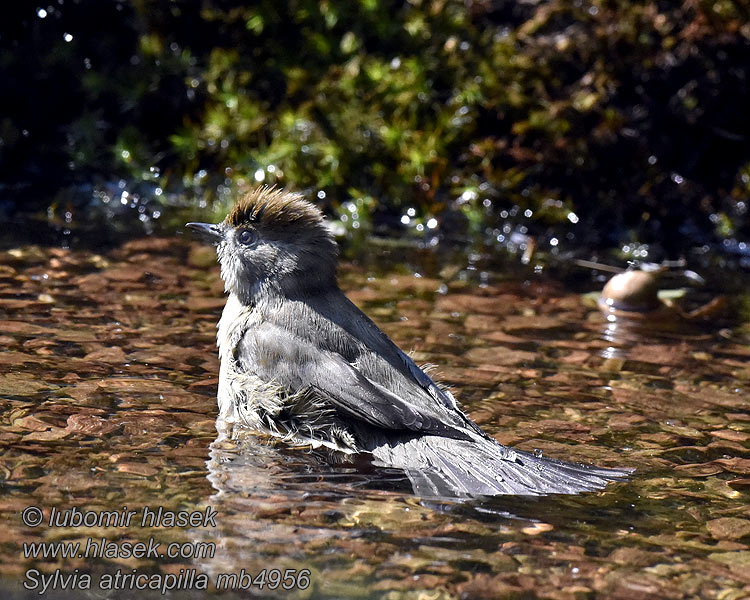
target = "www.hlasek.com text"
x: 105, y: 548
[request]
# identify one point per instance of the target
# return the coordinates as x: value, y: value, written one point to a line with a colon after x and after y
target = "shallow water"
x: 108, y: 379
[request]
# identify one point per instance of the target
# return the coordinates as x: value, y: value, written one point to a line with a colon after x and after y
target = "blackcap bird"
x: 301, y: 362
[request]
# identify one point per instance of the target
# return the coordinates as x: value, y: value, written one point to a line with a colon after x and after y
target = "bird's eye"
x: 247, y: 237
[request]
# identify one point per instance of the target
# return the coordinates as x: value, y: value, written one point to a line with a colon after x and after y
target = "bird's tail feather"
x: 444, y: 467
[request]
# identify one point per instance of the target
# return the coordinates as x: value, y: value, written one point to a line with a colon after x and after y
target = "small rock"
x: 112, y: 355
x: 728, y: 528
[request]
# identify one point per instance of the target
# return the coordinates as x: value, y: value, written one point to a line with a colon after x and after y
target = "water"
x: 108, y: 375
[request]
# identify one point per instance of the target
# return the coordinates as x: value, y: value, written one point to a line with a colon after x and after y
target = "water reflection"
x: 626, y: 336
x: 248, y: 461
x: 278, y: 505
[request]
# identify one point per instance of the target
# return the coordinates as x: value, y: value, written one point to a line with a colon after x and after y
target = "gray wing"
x: 332, y: 322
x: 338, y: 305
x: 276, y: 354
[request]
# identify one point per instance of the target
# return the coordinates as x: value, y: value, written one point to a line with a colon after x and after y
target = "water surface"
x: 108, y: 375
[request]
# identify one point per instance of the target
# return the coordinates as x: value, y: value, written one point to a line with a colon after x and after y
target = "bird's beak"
x: 207, y: 230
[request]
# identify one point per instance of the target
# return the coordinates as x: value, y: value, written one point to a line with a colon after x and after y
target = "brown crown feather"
x: 272, y: 208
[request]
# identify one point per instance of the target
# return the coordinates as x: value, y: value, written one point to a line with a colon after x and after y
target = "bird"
x: 299, y: 361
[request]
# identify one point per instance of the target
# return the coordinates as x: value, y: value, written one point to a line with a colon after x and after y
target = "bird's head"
x: 273, y: 242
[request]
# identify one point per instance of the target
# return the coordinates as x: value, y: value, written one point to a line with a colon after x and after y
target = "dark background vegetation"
x: 631, y: 115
